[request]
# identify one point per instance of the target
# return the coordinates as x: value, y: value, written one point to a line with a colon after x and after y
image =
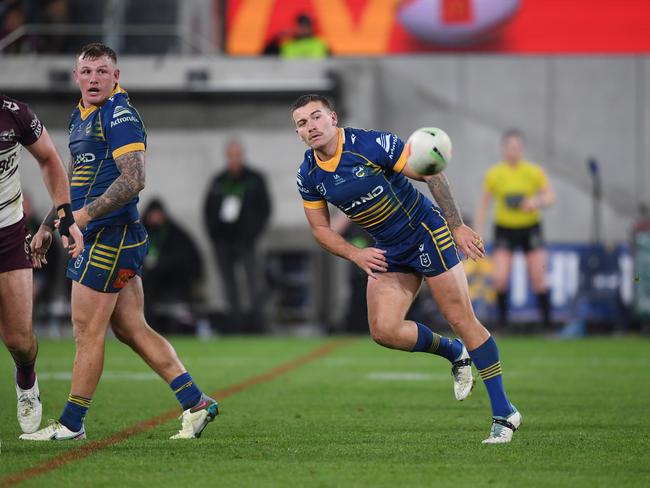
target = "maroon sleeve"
x: 29, y: 126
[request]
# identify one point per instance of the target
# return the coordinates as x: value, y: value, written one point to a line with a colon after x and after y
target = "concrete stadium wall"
x: 570, y: 108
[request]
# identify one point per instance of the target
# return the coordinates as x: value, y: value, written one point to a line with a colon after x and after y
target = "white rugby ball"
x: 428, y: 151
x: 456, y: 23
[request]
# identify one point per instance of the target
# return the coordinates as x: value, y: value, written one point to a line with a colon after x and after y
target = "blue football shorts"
x: 111, y: 257
x: 429, y: 251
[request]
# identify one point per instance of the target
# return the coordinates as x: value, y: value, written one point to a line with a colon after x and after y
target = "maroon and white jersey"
x: 19, y: 126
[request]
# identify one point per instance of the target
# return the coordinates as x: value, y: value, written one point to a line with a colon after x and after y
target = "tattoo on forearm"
x: 441, y: 191
x: 124, y: 188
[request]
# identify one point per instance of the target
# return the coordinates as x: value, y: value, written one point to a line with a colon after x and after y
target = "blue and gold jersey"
x: 364, y: 180
x: 98, y: 135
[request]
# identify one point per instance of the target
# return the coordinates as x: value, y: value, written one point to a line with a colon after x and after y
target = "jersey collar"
x: 85, y: 112
x: 331, y: 164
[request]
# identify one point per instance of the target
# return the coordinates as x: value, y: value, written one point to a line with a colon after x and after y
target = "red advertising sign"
x: 376, y: 27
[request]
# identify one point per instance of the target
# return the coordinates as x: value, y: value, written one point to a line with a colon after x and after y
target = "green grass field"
x: 360, y: 415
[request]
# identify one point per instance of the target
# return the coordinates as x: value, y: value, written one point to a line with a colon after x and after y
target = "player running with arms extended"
x: 363, y: 173
x: 107, y: 143
x: 19, y: 126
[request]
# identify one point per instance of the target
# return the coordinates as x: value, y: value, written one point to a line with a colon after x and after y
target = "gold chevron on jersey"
x: 379, y: 215
x: 103, y: 256
x: 82, y: 175
x: 370, y: 210
x: 443, y: 238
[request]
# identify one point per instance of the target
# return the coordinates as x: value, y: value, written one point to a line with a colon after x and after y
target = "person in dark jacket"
x: 237, y: 209
x: 173, y: 270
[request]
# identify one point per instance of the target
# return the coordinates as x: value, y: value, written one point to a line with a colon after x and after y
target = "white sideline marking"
x: 405, y: 376
x: 106, y: 375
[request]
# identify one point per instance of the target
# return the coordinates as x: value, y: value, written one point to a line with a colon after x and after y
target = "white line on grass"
x: 406, y: 376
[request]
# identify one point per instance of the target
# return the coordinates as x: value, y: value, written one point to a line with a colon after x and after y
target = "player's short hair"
x: 96, y: 50
x: 513, y: 133
x: 312, y: 97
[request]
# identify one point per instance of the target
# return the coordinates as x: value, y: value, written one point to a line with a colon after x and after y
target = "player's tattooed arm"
x: 441, y: 191
x: 124, y: 188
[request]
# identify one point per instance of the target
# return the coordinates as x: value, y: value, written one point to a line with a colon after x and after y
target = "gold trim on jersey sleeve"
x: 314, y: 205
x: 401, y: 162
x: 134, y: 146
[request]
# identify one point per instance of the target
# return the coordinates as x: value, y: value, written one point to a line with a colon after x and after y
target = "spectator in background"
x: 54, y: 13
x: 237, y: 209
x: 521, y: 190
x: 12, y: 17
x: 172, y: 271
x: 304, y: 43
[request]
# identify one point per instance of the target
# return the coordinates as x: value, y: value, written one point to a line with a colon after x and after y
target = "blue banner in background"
x: 587, y: 282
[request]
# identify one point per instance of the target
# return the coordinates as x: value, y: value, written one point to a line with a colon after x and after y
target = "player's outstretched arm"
x: 56, y: 181
x: 121, y: 191
x: 468, y: 241
x: 369, y: 259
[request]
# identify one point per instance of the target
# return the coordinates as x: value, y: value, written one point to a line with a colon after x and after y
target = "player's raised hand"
x: 39, y: 245
x: 371, y: 260
x: 469, y: 242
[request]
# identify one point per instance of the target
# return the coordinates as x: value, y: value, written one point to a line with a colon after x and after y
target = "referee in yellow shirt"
x: 520, y: 189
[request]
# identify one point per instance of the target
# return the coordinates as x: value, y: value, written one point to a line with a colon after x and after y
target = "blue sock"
x: 74, y: 412
x: 436, y: 344
x: 486, y: 359
x: 186, y: 391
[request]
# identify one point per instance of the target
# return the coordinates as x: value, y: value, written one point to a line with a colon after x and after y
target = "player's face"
x: 513, y: 149
x: 315, y: 124
x: 96, y: 79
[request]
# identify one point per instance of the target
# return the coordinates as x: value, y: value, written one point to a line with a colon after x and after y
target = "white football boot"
x: 29, y: 408
x: 56, y: 431
x: 503, y: 428
x: 197, y: 418
x: 461, y: 370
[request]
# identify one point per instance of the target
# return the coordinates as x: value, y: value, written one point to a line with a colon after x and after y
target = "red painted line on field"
x: 91, y: 447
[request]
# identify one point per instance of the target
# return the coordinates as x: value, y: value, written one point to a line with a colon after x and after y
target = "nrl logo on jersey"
x: 321, y: 189
x: 13, y: 106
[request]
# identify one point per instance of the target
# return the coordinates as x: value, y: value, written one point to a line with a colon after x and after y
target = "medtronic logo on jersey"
x: 300, y: 183
x: 122, y: 114
x: 374, y: 193
x: 321, y: 189
x: 384, y: 141
x: 120, y: 111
